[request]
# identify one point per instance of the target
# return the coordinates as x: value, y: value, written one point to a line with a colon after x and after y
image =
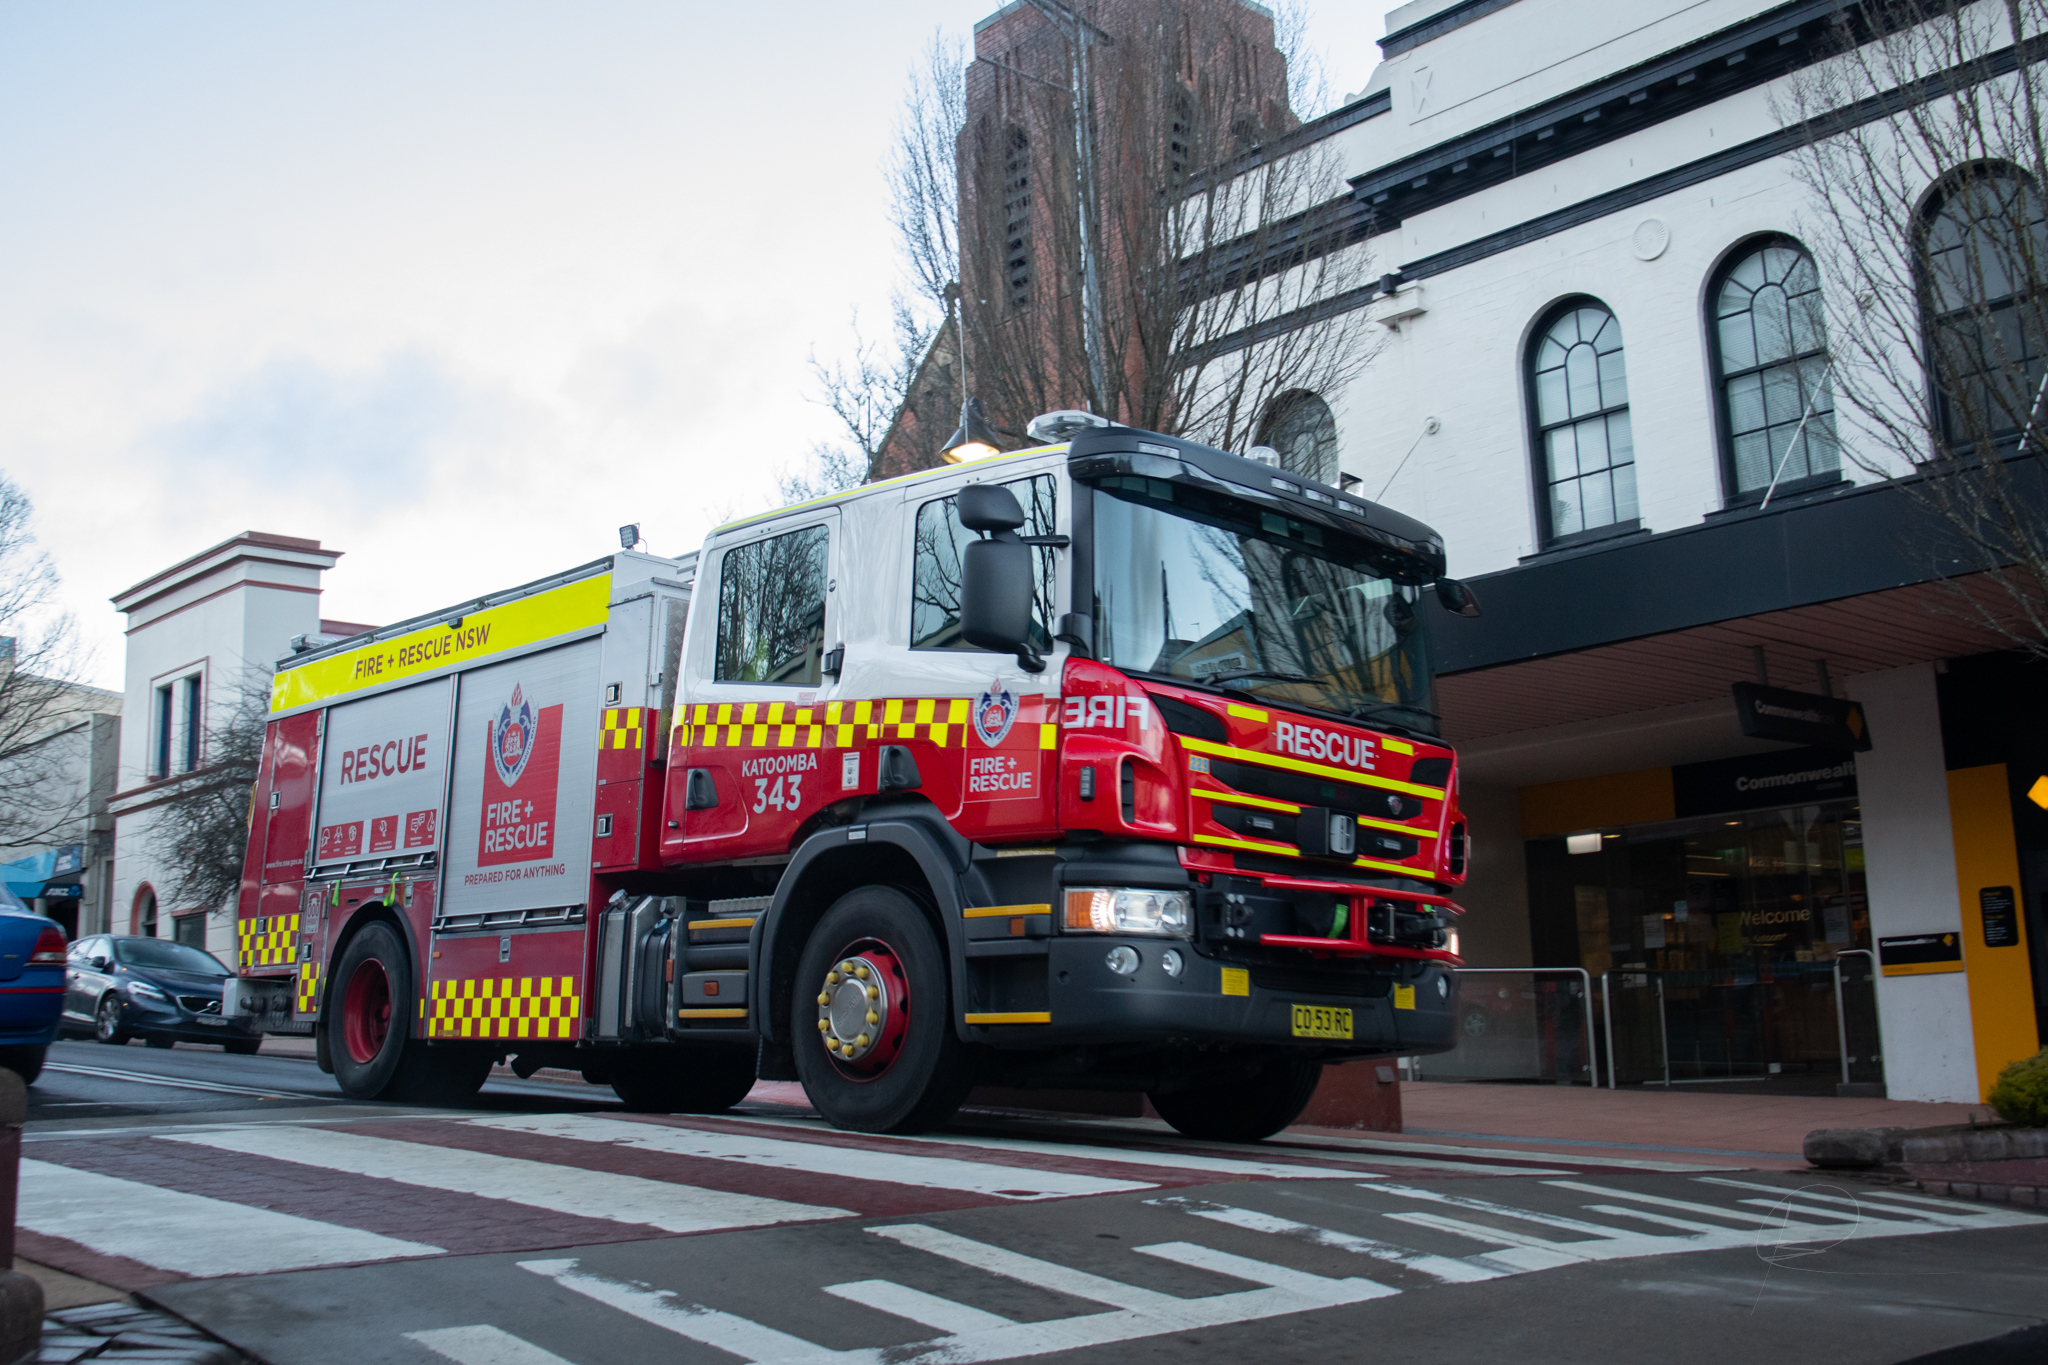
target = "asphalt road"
x: 545, y: 1224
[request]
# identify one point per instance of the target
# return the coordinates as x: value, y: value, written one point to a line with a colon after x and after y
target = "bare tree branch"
x: 201, y: 832
x: 43, y: 790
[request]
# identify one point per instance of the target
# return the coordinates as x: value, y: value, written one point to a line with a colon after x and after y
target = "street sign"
x: 1801, y: 718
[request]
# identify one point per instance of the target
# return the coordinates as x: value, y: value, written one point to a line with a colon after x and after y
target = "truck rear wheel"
x: 371, y: 1006
x: 871, y: 1024
x: 707, y: 1080
x: 1248, y: 1110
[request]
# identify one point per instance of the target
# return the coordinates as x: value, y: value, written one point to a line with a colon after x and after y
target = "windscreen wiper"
x: 1231, y: 675
x: 1376, y: 708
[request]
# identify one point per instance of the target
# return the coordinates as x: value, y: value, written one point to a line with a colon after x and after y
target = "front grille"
x: 1314, y: 869
x: 1317, y: 979
x: 1310, y: 791
x: 200, y: 1004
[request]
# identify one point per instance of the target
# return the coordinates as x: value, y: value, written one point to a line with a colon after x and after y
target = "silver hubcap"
x: 853, y: 1008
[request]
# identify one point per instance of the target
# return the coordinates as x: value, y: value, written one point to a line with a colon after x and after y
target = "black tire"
x: 367, y: 1051
x: 683, y: 1080
x: 244, y: 1047
x: 440, y: 1075
x: 159, y: 1041
x: 1248, y: 1110
x: 106, y: 1022
x: 931, y: 1071
x: 26, y: 1061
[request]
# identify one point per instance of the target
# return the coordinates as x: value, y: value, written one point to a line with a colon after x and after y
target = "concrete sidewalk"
x: 1764, y: 1132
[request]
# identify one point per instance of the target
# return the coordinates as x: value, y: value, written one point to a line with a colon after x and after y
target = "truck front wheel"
x: 1247, y: 1110
x: 871, y: 1024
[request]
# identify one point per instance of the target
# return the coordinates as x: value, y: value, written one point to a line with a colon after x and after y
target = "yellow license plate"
x: 1321, y: 1021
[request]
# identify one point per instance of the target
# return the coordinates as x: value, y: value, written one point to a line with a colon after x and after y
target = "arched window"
x: 1770, y: 356
x: 144, y: 921
x: 1984, y: 265
x: 1298, y: 424
x: 1578, y: 388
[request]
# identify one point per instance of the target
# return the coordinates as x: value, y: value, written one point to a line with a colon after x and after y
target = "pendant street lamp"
x: 975, y: 440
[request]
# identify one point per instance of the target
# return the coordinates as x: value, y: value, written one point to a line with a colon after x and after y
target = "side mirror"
x: 100, y: 964
x: 995, y: 598
x: 1456, y: 597
x: 989, y: 508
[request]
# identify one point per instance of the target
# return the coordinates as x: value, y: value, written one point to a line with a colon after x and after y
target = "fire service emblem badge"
x: 512, y: 737
x: 995, y: 711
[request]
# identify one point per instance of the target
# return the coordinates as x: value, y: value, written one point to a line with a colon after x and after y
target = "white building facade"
x: 202, y: 639
x: 1585, y: 217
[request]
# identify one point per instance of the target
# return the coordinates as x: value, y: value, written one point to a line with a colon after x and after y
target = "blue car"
x: 31, y: 985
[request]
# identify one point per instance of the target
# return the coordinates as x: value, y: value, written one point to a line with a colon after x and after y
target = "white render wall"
x: 1463, y: 360
x: 1910, y: 868
x: 229, y: 615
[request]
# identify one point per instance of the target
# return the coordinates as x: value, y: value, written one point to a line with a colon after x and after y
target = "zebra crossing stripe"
x: 537, y: 1184
x: 918, y: 1306
x: 483, y: 1344
x: 1524, y: 1250
x: 723, y: 1331
x: 188, y: 1233
x: 1938, y: 1213
x: 1449, y: 1269
x: 817, y: 1158
x: 1658, y: 1201
x: 1318, y: 1288
x: 1506, y: 1211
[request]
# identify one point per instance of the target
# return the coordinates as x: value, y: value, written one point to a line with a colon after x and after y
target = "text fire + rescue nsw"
x: 422, y: 653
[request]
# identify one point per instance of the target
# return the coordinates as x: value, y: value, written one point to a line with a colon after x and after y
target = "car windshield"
x: 1214, y: 592
x: 166, y: 956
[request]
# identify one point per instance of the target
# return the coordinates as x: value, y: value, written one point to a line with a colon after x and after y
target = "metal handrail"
x: 1592, y: 1053
x: 1664, y: 1025
x: 1841, y: 1013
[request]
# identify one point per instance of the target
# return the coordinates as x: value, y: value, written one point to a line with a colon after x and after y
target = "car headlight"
x: 148, y: 994
x: 1125, y: 910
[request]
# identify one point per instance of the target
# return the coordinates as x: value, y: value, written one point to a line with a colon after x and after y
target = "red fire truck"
x: 1106, y: 764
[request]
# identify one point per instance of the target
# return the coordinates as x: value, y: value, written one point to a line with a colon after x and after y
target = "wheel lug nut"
x: 824, y: 1024
x: 874, y: 993
x: 831, y: 978
x: 861, y: 1041
x: 861, y: 972
x: 823, y: 998
x: 874, y: 1018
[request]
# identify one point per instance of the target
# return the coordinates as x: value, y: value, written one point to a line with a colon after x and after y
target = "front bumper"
x: 1396, y: 1008
x: 184, y: 1026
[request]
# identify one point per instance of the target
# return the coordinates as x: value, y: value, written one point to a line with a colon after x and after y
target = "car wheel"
x: 158, y: 1040
x: 244, y: 1047
x: 106, y: 1022
x: 25, y: 1062
x: 684, y: 1080
x: 872, y: 1021
x: 1248, y: 1110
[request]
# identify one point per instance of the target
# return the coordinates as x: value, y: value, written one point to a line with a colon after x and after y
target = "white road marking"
x: 483, y: 1345
x: 918, y: 1306
x: 662, y: 1308
x: 1506, y: 1211
x: 189, y: 1233
x: 171, y: 1082
x: 1524, y: 1251
x: 538, y: 1184
x: 1319, y: 1287
x: 1449, y: 1269
x: 1645, y: 1216
x: 1027, y: 1269
x: 1710, y: 1210
x: 1940, y: 1212
x: 856, y: 1163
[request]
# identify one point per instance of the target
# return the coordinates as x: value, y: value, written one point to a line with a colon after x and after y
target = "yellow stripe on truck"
x: 432, y: 649
x: 1296, y: 765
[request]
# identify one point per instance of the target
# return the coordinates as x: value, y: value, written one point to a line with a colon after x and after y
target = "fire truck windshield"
x: 1220, y: 594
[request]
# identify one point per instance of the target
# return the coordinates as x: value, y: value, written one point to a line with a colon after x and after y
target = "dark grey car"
x: 121, y: 986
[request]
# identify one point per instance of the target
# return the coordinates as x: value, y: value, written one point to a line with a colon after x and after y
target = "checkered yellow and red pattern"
x: 504, y: 1007
x: 940, y: 721
x: 267, y: 941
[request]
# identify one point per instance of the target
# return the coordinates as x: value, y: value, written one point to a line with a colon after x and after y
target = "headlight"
x: 143, y: 991
x: 1126, y: 910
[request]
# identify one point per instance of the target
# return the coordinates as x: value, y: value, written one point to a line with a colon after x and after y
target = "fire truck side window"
x: 771, y: 610
x: 935, y: 573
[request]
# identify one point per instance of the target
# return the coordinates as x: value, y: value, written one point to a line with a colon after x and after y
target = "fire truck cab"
x: 1107, y: 764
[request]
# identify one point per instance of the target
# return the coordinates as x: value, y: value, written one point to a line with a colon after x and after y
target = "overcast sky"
x: 455, y: 287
